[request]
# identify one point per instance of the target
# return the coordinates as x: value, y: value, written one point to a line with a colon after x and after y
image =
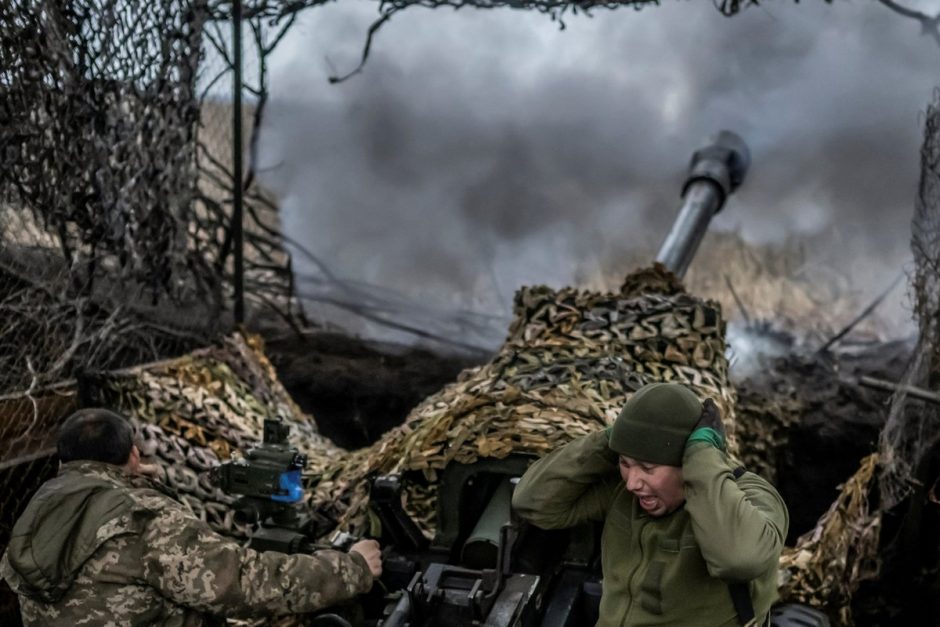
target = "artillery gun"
x: 437, y: 490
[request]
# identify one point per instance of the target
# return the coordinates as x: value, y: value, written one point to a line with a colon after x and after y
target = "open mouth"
x: 647, y: 502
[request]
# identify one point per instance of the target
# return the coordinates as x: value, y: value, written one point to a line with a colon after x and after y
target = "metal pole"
x: 237, y: 182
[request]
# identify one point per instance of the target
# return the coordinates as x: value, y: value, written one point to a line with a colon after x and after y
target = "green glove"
x: 709, y: 427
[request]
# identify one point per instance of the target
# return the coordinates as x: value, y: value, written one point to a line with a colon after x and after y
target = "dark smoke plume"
x: 482, y: 150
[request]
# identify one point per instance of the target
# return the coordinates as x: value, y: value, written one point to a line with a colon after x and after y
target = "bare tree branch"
x: 366, y: 48
x: 929, y: 25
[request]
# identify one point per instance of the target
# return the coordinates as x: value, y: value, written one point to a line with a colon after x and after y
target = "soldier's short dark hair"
x: 96, y: 434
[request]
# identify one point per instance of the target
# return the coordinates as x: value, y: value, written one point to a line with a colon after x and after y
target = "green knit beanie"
x: 655, y: 423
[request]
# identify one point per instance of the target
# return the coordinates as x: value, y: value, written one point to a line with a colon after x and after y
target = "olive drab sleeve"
x: 572, y: 485
x: 195, y: 567
x: 739, y: 524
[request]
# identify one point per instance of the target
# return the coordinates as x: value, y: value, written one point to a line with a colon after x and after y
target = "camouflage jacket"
x: 94, y: 549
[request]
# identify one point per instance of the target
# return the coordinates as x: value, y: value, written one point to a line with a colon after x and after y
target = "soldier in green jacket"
x: 688, y: 539
x: 95, y: 548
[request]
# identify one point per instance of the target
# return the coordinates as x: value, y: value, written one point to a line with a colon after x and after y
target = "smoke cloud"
x: 482, y: 150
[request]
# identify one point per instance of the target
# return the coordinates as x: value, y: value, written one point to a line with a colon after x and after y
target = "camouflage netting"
x: 845, y: 548
x: 116, y: 191
x: 100, y: 139
x: 196, y: 410
x: 764, y: 424
x: 912, y: 431
x: 217, y: 397
x: 571, y: 360
x: 827, y: 564
x: 97, y: 170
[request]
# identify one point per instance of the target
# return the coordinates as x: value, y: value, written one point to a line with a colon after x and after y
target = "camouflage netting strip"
x: 216, y: 397
x: 910, y: 435
x: 763, y: 424
x: 196, y: 410
x: 182, y: 467
x: 828, y: 563
x: 571, y: 361
x: 189, y: 413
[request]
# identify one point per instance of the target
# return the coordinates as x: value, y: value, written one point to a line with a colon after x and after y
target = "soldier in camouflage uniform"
x: 94, y: 548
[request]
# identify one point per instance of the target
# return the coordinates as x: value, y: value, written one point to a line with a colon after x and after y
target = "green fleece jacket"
x: 673, y: 569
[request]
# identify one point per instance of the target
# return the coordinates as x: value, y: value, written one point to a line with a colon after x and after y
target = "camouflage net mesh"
x: 193, y: 412
x: 115, y: 209
x: 116, y: 189
x: 100, y: 138
x: 97, y: 170
x: 571, y: 360
x: 97, y: 174
x: 216, y: 397
x: 764, y: 424
x: 913, y: 429
x: 828, y: 563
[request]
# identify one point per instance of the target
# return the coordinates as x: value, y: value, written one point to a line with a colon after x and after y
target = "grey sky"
x: 481, y: 150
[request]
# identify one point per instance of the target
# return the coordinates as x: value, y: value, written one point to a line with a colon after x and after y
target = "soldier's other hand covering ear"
x: 709, y: 427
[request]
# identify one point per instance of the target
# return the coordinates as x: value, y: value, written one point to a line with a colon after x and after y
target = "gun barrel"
x: 714, y: 173
x: 481, y: 550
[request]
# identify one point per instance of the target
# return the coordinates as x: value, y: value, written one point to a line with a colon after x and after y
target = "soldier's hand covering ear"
x: 709, y: 427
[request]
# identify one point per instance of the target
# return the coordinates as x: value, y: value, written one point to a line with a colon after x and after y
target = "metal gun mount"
x: 714, y: 173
